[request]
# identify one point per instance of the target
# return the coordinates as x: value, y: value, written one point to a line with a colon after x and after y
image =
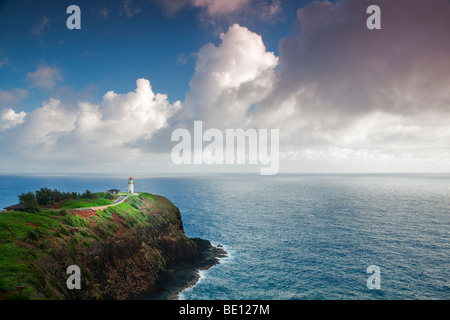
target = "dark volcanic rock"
x: 182, y: 275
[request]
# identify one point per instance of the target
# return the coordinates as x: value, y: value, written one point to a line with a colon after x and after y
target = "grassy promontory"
x: 123, y: 251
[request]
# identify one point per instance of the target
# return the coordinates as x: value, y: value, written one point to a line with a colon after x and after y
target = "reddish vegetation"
x: 34, y: 224
x: 53, y: 206
x: 56, y: 205
x: 84, y: 213
x: 116, y: 218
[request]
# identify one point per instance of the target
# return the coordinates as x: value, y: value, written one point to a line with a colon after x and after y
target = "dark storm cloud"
x: 336, y: 66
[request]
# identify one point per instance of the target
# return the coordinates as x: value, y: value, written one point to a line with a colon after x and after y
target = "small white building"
x: 131, y: 185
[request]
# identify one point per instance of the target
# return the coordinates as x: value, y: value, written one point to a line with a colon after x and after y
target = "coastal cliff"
x: 126, y: 251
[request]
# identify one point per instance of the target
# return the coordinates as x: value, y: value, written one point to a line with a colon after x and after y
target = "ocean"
x: 310, y: 236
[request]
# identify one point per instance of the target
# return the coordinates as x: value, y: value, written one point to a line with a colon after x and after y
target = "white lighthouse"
x: 130, y: 185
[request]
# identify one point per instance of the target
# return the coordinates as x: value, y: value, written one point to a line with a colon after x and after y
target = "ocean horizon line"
x: 197, y: 174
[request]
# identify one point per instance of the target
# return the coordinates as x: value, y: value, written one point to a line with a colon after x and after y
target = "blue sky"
x: 107, y: 53
x: 112, y: 50
x: 345, y: 98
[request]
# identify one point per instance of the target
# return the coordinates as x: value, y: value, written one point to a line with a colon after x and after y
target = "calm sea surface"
x: 301, y: 236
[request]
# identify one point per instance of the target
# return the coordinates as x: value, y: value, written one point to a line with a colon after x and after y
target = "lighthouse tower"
x: 130, y: 185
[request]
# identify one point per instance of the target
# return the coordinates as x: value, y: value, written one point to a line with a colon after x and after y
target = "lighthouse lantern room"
x: 131, y: 185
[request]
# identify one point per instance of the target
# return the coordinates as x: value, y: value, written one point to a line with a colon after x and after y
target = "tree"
x: 29, y: 202
x: 44, y: 196
x: 89, y: 195
x: 56, y: 195
x: 74, y: 195
x: 109, y: 196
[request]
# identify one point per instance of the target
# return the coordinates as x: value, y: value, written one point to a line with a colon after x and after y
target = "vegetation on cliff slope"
x: 122, y: 251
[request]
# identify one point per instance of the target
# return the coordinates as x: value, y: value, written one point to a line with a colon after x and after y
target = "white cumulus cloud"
x: 229, y: 79
x: 86, y: 132
x: 9, y: 118
x: 121, y: 119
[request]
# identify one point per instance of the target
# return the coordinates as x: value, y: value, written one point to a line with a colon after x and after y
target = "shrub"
x: 30, y: 203
x: 75, y: 221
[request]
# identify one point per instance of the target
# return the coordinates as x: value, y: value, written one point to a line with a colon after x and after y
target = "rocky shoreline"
x: 181, y: 276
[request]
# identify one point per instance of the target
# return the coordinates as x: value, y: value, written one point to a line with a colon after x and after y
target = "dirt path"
x: 93, y: 209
